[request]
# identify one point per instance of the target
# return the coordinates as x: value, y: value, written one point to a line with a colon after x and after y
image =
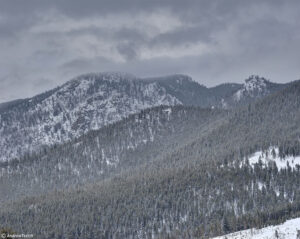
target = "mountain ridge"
x: 176, y: 172
x: 90, y: 101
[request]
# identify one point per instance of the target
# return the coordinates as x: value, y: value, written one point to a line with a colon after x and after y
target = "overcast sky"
x: 45, y: 43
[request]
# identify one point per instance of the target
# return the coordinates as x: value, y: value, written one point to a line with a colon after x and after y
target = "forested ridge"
x: 139, y: 139
x: 91, y: 101
x: 168, y: 172
x: 186, y: 202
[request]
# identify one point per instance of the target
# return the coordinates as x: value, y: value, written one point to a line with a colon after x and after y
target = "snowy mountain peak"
x: 176, y: 78
x: 181, y: 77
x: 90, y: 83
x: 101, y: 76
x: 256, y: 78
x: 90, y: 101
x: 87, y: 102
x: 255, y: 82
x: 255, y: 86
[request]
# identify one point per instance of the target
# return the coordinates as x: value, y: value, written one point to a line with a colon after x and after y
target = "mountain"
x: 177, y: 202
x: 183, y: 88
x: 168, y: 171
x: 91, y: 101
x: 255, y: 87
x: 85, y: 103
x: 139, y: 139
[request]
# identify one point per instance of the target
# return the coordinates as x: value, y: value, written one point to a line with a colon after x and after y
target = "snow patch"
x: 287, y: 230
x: 272, y: 155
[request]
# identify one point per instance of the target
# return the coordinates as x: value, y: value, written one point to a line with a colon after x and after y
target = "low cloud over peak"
x: 44, y: 43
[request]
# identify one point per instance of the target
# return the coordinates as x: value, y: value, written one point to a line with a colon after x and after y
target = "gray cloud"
x: 127, y: 50
x: 45, y: 43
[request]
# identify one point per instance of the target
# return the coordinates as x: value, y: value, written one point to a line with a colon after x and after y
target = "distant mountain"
x: 226, y: 95
x: 91, y: 101
x: 187, y: 91
x: 255, y: 87
x: 162, y: 135
x: 85, y: 103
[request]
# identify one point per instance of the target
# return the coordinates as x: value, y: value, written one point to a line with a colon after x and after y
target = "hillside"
x: 91, y: 101
x: 184, y: 202
x: 85, y: 103
x: 131, y: 142
x: 286, y: 230
x: 184, y: 181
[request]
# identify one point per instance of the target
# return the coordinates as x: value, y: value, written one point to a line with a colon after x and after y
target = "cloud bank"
x: 45, y: 43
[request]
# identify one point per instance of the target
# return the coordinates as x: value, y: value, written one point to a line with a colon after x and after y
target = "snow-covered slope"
x: 82, y: 104
x: 90, y: 101
x: 287, y: 230
x: 272, y: 156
